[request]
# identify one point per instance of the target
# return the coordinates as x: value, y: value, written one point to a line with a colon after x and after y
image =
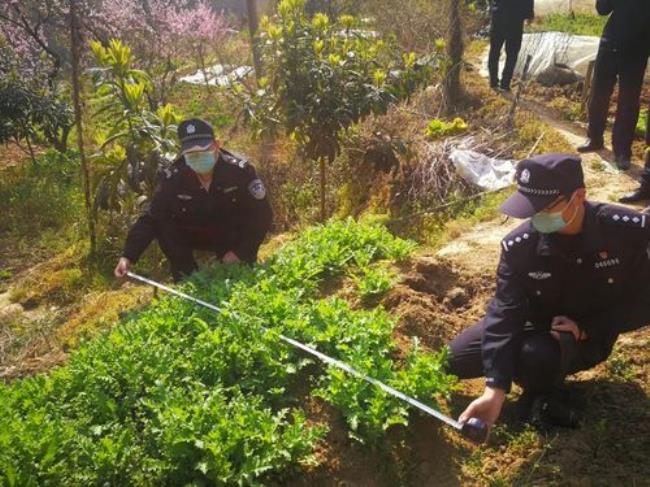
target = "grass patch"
x: 642, y: 123
x: 576, y: 23
x: 36, y: 198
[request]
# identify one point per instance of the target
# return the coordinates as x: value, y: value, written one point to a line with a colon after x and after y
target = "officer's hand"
x: 230, y: 258
x: 122, y: 268
x: 487, y: 407
x: 562, y: 323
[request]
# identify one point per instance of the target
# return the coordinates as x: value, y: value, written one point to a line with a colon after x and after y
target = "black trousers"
x: 540, y: 363
x: 645, y: 178
x: 509, y: 32
x: 628, y: 70
x: 178, y: 244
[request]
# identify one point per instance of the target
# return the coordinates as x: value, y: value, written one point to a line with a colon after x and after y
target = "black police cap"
x: 195, y: 135
x: 541, y: 181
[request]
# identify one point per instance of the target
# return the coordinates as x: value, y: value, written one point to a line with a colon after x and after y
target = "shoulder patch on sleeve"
x: 257, y: 189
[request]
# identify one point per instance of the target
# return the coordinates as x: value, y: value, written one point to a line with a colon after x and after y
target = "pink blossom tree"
x: 164, y: 35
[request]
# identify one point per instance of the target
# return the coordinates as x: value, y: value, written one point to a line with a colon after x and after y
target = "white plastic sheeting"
x: 219, y: 75
x: 550, y: 48
x: 485, y: 172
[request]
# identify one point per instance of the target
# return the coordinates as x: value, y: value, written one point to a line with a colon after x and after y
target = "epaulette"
x: 234, y: 159
x: 169, y: 172
x: 623, y: 217
x: 515, y: 239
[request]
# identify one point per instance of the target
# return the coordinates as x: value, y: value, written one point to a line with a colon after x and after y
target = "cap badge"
x: 191, y: 129
x: 525, y: 176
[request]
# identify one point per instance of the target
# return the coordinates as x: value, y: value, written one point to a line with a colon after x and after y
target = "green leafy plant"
x: 437, y: 128
x: 178, y: 394
x: 139, y: 142
x: 373, y: 282
x: 30, y: 116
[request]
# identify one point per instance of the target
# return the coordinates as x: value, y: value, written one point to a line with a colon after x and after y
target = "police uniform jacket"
x: 599, y: 278
x: 234, y: 215
x: 515, y: 10
x: 627, y: 28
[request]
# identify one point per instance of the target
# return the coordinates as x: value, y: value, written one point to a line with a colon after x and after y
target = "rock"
x: 457, y: 297
x: 10, y: 313
x: 558, y: 75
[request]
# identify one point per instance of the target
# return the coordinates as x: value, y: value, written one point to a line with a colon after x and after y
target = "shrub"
x: 322, y: 76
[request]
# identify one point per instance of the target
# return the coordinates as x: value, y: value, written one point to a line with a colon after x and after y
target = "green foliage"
x: 373, y: 281
x: 439, y: 128
x: 27, y: 114
x: 642, y: 123
x: 577, y: 23
x: 177, y: 394
x: 40, y: 196
x: 139, y: 141
x: 322, y: 76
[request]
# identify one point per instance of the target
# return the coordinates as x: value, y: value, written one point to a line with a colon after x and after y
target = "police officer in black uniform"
x: 623, y: 56
x: 569, y: 281
x: 507, y: 27
x: 210, y: 199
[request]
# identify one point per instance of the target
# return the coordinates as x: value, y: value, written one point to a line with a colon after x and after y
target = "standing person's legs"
x: 645, y: 178
x: 496, y: 43
x: 178, y: 252
x: 513, y: 46
x: 631, y: 77
x: 605, y: 73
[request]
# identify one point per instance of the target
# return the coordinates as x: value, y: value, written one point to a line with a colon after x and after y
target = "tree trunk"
x: 323, y: 188
x: 253, y: 28
x: 75, y: 42
x: 455, y: 48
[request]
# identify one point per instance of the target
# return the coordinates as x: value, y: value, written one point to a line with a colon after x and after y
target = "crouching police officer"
x: 209, y: 199
x: 569, y: 281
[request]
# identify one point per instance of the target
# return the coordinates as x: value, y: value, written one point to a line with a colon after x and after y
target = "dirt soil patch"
x: 434, y: 301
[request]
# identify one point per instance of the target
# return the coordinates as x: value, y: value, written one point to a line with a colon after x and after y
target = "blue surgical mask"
x: 201, y: 162
x: 551, y: 222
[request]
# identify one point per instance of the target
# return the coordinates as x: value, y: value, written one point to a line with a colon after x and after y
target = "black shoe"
x: 590, y: 145
x: 623, y: 162
x: 642, y: 193
x: 524, y: 406
x: 554, y: 410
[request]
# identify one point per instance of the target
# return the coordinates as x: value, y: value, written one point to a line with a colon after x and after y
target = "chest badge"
x: 184, y: 197
x: 540, y: 275
x: 230, y: 189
